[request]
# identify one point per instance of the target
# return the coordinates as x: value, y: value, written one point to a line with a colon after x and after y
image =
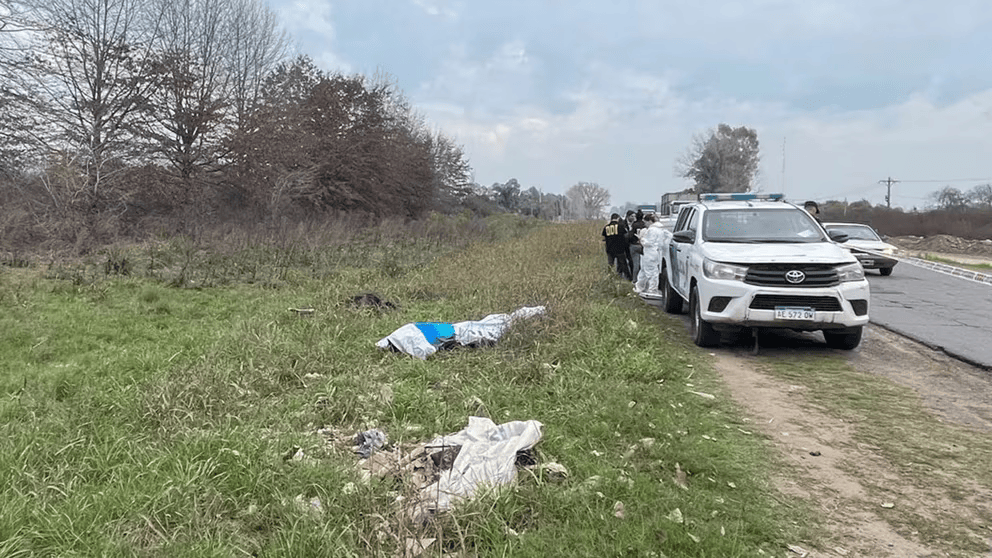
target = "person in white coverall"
x: 651, y: 239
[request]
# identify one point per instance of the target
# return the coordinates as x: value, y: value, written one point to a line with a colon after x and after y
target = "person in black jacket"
x: 615, y: 236
x: 628, y: 220
x: 634, y: 244
x: 813, y: 209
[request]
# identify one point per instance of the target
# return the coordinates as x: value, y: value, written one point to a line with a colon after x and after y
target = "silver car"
x: 867, y: 246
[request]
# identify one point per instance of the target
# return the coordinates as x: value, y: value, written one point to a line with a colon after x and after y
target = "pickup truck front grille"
x: 818, y: 303
x: 773, y: 275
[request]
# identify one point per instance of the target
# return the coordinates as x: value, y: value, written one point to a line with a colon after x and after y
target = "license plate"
x: 794, y: 313
x: 868, y: 263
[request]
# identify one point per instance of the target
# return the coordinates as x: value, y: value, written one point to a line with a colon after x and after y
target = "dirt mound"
x: 944, y: 244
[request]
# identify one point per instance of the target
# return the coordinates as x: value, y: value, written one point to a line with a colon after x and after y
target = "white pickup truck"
x: 757, y: 261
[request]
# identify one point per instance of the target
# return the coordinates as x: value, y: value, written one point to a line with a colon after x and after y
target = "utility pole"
x: 783, y: 164
x: 888, y: 193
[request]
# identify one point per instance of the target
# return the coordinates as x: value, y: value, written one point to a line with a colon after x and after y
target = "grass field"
x: 152, y: 413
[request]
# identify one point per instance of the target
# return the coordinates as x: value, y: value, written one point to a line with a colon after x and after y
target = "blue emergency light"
x: 723, y: 196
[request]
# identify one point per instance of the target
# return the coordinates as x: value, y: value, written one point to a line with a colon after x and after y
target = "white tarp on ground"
x: 422, y: 339
x: 487, y: 457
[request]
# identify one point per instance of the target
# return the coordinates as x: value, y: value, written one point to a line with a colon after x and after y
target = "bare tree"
x: 291, y: 82
x: 725, y: 160
x: 213, y: 56
x: 950, y: 198
x: 17, y: 97
x: 188, y: 105
x: 256, y: 46
x: 350, y: 144
x: 16, y: 19
x: 92, y: 70
x: 981, y: 196
x: 530, y: 202
x: 587, y: 200
x: 449, y: 167
x: 507, y: 195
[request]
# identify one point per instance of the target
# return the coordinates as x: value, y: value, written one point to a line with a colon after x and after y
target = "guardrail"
x: 949, y: 269
x: 946, y: 269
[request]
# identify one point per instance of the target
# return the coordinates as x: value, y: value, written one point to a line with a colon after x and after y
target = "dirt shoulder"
x: 871, y: 504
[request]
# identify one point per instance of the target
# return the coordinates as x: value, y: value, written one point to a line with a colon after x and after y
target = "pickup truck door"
x: 678, y: 252
x: 685, y: 253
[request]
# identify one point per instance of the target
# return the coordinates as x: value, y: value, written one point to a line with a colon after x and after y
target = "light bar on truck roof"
x: 740, y: 197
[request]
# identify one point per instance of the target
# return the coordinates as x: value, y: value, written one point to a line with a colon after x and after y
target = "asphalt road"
x: 943, y: 312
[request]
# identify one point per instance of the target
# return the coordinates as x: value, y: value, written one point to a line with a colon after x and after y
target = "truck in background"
x: 671, y: 203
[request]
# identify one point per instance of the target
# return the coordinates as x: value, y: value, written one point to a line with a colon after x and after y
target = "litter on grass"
x: 367, y: 442
x: 422, y: 339
x: 488, y: 455
x: 371, y: 300
x: 454, y: 467
x: 303, y: 311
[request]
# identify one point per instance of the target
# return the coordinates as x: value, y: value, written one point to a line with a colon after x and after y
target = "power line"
x: 845, y: 193
x: 947, y: 180
x: 871, y: 188
x: 889, y: 182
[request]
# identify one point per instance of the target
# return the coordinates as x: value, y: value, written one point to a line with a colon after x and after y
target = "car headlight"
x: 717, y: 270
x: 851, y: 272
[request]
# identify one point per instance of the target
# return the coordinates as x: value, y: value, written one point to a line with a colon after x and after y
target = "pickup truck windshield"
x: 757, y: 225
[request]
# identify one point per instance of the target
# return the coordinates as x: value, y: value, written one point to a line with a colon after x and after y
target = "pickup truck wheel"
x: 886, y: 271
x: 673, y: 301
x: 845, y: 340
x: 703, y: 333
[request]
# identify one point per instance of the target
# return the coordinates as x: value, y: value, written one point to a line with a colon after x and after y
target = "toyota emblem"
x: 795, y: 276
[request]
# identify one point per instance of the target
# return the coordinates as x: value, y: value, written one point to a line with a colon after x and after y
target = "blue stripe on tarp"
x: 434, y: 331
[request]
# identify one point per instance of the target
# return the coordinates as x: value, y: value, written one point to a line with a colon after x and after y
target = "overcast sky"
x: 842, y: 93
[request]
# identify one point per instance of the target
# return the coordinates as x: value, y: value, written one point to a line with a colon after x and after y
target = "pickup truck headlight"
x: 717, y: 270
x: 851, y: 272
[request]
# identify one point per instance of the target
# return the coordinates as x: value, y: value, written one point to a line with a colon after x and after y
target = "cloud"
x: 310, y: 23
x: 307, y: 16
x: 553, y: 92
x: 503, y: 79
x: 437, y: 8
x: 829, y: 153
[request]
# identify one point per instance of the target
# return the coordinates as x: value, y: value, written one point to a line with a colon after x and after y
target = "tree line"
x: 583, y: 200
x: 119, y: 111
x: 955, y: 200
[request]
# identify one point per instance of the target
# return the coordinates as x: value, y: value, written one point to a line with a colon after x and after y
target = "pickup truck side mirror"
x: 686, y: 236
x: 838, y: 236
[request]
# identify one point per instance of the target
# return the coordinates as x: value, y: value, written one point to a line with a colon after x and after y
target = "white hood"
x: 813, y: 252
x: 874, y: 245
